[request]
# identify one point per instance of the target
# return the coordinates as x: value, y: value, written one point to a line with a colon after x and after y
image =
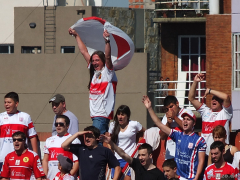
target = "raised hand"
x: 106, y: 35
x: 199, y: 77
x: 72, y: 32
x: 104, y: 138
x: 146, y: 101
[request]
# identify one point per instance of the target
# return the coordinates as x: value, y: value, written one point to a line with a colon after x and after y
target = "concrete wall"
x: 37, y: 77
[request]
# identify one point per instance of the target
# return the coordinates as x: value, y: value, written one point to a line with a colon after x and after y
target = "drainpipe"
x: 213, y: 6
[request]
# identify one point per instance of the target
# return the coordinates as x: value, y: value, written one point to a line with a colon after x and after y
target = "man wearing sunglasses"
x: 21, y: 163
x: 220, y: 112
x: 59, y: 108
x: 93, y: 158
x: 53, y: 148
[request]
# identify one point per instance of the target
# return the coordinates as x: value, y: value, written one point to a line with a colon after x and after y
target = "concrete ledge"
x: 179, y: 20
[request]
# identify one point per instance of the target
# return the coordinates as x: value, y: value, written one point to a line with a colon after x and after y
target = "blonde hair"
x: 219, y: 131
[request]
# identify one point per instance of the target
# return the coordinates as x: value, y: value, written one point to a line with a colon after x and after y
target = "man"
x: 53, y: 148
x: 190, y: 148
x: 219, y: 169
x: 220, y: 112
x: 93, y: 158
x: 59, y: 108
x: 143, y: 166
x: 12, y: 121
x: 21, y: 163
x: 170, y: 169
x: 173, y: 120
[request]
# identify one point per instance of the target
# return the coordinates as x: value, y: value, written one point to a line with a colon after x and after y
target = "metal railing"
x: 198, y: 7
x: 180, y: 91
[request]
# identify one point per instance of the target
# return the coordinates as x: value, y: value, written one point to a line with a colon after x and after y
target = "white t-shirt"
x: 102, y: 93
x: 211, y: 119
x: 127, y: 139
x: 53, y: 149
x: 170, y: 145
x: 11, y: 123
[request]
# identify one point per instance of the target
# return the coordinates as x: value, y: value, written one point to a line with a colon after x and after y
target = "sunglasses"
x: 19, y: 140
x: 60, y: 124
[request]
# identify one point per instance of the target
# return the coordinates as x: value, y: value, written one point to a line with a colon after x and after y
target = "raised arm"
x: 154, y: 117
x: 66, y: 144
x: 221, y: 95
x: 82, y: 47
x: 120, y: 152
x: 106, y: 36
x: 192, y: 91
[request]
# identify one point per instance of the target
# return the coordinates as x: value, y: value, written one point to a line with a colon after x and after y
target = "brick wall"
x: 169, y: 45
x: 219, y: 53
x: 227, y: 6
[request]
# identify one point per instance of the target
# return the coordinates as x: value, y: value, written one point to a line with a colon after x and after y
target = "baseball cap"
x: 189, y: 113
x: 65, y: 162
x: 57, y: 98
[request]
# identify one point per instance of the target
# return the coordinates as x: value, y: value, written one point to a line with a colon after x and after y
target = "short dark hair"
x: 13, y: 96
x: 170, y: 99
x: 170, y: 163
x: 96, y: 131
x: 146, y: 146
x: 19, y: 133
x: 217, y: 99
x: 217, y: 144
x: 67, y: 120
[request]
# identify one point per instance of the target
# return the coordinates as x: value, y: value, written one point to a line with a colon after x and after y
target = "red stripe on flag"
x: 95, y: 18
x: 122, y: 45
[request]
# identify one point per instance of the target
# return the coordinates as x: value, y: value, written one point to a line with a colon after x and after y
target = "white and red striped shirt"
x: 211, y: 119
x: 11, y: 123
x: 53, y: 149
x: 64, y: 177
x: 227, y: 171
x: 21, y: 167
x: 102, y: 93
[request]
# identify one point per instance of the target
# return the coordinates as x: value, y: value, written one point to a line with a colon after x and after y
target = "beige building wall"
x: 37, y: 77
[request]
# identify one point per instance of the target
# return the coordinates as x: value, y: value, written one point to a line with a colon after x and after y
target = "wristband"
x: 209, y: 91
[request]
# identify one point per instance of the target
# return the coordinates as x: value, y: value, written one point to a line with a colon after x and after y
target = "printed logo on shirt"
x: 218, y: 175
x: 12, y: 172
x: 90, y: 156
x: 11, y: 158
x: 25, y: 159
x: 7, y: 129
x: 39, y: 165
x: 17, y: 162
x: 210, y: 174
x: 5, y: 118
x: 190, y: 145
x: 21, y: 119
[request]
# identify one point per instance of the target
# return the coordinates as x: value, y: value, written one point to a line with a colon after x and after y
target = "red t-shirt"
x: 212, y: 173
x: 22, y: 167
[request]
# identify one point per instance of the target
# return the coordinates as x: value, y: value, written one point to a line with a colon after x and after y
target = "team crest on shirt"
x: 25, y: 159
x: 190, y: 145
x: 17, y: 162
x: 21, y: 119
x: 100, y: 76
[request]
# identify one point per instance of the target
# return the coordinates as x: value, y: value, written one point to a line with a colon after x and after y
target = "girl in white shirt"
x: 123, y: 132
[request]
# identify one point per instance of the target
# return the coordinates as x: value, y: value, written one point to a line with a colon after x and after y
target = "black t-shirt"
x: 93, y: 161
x: 142, y: 174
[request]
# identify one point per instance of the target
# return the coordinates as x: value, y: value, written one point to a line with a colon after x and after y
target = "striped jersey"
x: 186, y: 155
x: 102, y: 93
x: 211, y: 119
x: 21, y: 167
x: 11, y: 123
x: 227, y: 171
x: 170, y: 144
x: 53, y: 149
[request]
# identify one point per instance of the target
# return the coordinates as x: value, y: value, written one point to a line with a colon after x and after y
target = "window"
x: 191, y: 61
x: 6, y: 48
x: 67, y: 49
x: 236, y: 61
x: 31, y: 49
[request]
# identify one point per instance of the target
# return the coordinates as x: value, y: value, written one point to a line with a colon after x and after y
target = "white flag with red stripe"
x: 91, y: 29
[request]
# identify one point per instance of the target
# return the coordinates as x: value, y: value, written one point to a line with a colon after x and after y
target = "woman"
x: 102, y: 83
x: 123, y: 133
x: 219, y: 134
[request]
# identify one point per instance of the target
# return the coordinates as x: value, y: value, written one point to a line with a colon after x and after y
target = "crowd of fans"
x: 70, y: 154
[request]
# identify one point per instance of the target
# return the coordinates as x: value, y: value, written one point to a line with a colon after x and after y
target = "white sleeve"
x: 45, y: 148
x: 204, y: 111
x: 164, y: 120
x: 110, y: 130
x: 228, y: 110
x: 75, y: 158
x: 76, y: 141
x: 236, y: 159
x: 138, y: 126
